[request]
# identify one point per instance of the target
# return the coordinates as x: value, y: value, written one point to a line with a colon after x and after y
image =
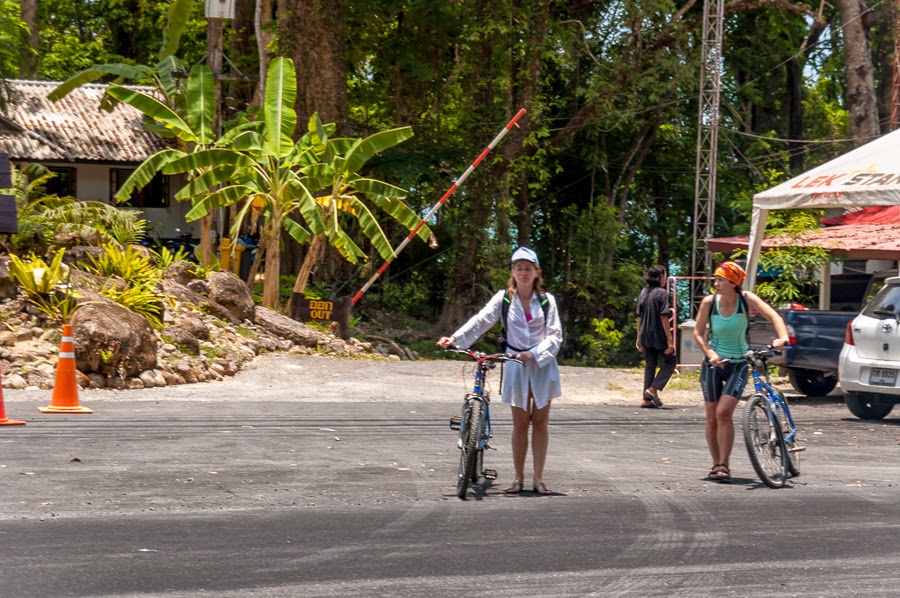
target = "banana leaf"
x: 372, y: 230
x: 123, y: 71
x: 146, y: 171
x: 281, y: 120
x: 154, y: 109
x: 201, y: 103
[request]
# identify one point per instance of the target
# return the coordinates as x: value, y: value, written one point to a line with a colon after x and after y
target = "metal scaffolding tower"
x: 895, y: 87
x: 707, y: 146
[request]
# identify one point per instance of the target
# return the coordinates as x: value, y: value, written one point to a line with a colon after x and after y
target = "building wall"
x: 93, y: 184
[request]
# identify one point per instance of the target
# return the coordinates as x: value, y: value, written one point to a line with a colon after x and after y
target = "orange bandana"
x: 731, y: 272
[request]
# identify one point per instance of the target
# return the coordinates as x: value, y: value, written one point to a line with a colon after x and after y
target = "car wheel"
x: 868, y: 405
x: 812, y: 383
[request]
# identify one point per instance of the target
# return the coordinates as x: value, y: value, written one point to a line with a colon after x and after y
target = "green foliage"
x: 129, y: 264
x: 603, y: 343
x: 796, y: 267
x: 409, y: 297
x: 165, y: 258
x: 46, y: 286
x: 44, y: 219
x: 142, y: 299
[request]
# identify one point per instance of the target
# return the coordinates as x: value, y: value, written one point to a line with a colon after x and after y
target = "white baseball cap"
x: 524, y: 253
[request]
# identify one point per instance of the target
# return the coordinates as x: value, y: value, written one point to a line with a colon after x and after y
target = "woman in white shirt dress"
x: 533, y: 339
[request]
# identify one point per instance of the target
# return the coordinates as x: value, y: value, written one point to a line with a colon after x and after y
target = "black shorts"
x: 727, y: 380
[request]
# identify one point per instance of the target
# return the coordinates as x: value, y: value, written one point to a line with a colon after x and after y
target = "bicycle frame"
x: 483, y: 364
x: 472, y: 441
x: 765, y: 388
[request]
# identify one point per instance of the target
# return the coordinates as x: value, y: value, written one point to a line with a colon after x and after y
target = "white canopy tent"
x: 866, y: 176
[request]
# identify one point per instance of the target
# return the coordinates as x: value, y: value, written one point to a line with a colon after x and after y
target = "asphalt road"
x: 259, y: 487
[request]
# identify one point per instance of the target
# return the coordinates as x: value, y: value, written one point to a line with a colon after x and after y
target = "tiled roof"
x: 74, y: 129
x: 851, y: 241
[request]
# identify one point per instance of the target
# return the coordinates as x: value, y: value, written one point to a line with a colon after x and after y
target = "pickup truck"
x: 817, y: 337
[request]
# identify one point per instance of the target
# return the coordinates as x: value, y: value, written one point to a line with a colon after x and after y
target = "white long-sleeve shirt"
x: 542, y: 338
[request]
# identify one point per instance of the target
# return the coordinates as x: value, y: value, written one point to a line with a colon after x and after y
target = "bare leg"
x: 521, y: 419
x: 712, y: 432
x: 540, y: 440
x: 725, y: 423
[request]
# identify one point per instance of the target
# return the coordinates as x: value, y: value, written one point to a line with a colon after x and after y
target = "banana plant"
x: 162, y: 76
x: 303, y: 187
x: 192, y: 129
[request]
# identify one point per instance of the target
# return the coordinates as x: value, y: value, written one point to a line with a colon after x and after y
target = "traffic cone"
x: 65, y: 390
x: 5, y: 421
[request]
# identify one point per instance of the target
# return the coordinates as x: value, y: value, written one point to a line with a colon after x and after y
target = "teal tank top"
x: 729, y: 335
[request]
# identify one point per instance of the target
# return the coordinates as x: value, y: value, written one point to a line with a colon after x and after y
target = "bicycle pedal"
x: 454, y: 422
x: 490, y: 474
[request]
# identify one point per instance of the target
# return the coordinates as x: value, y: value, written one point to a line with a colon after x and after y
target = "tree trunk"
x: 313, y: 256
x: 28, y: 67
x: 264, y: 37
x: 861, y: 99
x: 311, y: 32
x: 273, y: 267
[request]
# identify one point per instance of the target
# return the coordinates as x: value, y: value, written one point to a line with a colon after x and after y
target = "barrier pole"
x: 456, y: 185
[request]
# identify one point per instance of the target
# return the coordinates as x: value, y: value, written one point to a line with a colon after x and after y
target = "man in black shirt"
x: 654, y: 337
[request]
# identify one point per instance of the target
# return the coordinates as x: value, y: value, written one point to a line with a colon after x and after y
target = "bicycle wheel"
x: 469, y: 452
x: 793, y: 460
x: 765, y: 444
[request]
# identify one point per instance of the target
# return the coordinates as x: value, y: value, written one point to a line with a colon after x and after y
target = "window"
x: 154, y: 195
x: 64, y: 183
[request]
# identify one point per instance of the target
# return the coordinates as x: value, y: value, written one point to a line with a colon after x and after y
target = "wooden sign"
x: 8, y: 221
x: 338, y: 310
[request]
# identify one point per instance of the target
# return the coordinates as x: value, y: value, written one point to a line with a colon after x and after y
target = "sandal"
x: 648, y: 405
x: 515, y: 488
x: 720, y: 471
x: 541, y: 488
x: 649, y: 396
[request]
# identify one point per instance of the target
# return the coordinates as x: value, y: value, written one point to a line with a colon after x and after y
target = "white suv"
x: 869, y: 364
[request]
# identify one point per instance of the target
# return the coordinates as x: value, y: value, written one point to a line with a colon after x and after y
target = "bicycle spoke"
x: 765, y: 445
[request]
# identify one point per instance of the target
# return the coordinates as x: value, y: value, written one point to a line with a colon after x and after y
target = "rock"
x: 181, y: 272
x: 86, y: 282
x: 14, y: 381
x: 82, y: 254
x: 176, y: 337
x: 285, y: 327
x: 233, y: 294
x: 152, y: 378
x: 7, y: 338
x: 9, y: 288
x: 110, y: 339
x: 97, y: 380
x: 193, y: 326
x: 185, y: 295
x: 198, y: 286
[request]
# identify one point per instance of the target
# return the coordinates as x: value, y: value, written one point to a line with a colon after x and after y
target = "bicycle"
x: 474, y: 422
x: 768, y: 428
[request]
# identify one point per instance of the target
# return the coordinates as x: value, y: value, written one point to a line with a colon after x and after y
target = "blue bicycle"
x: 769, y: 430
x: 474, y: 423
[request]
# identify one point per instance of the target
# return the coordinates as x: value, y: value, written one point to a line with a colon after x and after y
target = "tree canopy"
x: 599, y: 176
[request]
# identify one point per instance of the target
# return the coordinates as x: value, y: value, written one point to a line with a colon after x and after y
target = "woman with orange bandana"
x: 727, y: 313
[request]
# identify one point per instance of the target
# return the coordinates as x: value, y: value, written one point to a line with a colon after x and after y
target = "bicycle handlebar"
x: 482, y: 357
x: 754, y: 354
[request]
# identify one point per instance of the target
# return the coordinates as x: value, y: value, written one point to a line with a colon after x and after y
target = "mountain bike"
x: 474, y: 423
x: 769, y: 430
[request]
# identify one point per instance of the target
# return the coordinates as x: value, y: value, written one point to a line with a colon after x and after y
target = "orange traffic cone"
x: 65, y: 390
x: 5, y: 421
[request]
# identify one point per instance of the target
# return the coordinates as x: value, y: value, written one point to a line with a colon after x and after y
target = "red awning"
x: 849, y: 241
x: 870, y: 215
